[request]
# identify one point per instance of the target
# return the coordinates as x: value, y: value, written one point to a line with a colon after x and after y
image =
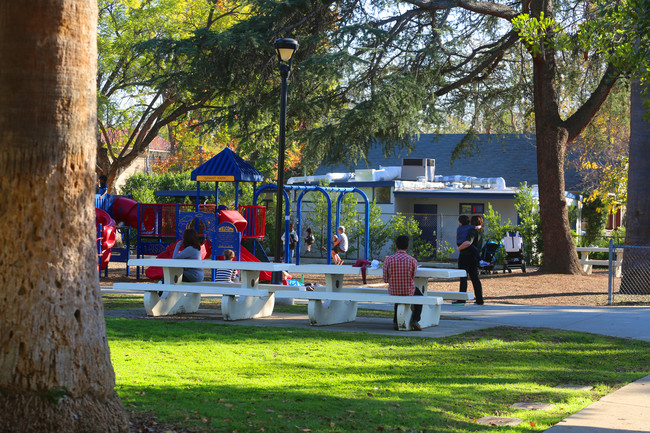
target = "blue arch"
x: 325, y: 192
x: 329, y: 220
x: 287, y: 210
x: 366, y: 219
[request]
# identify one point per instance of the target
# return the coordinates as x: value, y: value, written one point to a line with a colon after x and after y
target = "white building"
x: 425, y: 183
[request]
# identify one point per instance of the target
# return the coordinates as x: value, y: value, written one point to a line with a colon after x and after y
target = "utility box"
x: 418, y: 169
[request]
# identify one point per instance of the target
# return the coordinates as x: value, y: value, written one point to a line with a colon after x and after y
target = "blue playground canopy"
x: 226, y: 166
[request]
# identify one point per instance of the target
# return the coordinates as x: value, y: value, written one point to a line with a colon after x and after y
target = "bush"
x: 595, y: 216
x: 142, y: 188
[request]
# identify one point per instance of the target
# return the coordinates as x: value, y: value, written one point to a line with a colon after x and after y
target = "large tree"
x: 409, y: 62
x: 380, y: 72
x: 132, y: 110
x: 55, y: 369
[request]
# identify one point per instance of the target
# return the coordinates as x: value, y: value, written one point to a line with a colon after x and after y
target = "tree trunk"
x: 560, y: 256
x: 636, y: 262
x: 55, y: 370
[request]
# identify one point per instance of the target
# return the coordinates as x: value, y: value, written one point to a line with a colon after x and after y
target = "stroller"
x: 489, y: 257
x: 514, y: 246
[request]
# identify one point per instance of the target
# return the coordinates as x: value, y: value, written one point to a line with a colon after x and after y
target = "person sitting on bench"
x: 227, y: 275
x: 191, y: 250
x: 399, y: 273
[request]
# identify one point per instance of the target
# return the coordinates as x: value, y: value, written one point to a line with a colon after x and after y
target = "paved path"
x: 615, y: 321
x: 626, y: 410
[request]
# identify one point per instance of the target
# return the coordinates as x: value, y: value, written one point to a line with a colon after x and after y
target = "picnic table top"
x: 597, y: 249
x: 212, y: 264
x: 352, y: 270
x: 289, y: 267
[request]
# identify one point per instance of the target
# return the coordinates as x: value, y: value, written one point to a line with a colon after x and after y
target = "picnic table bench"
x: 245, y: 299
x: 335, y: 303
x: 588, y: 264
x: 327, y: 305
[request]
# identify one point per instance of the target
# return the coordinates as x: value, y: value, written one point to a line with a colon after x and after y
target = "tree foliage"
x: 134, y: 102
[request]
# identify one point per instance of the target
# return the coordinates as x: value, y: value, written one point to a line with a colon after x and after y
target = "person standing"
x: 399, y: 272
x: 309, y: 240
x: 340, y: 245
x: 467, y: 259
x: 293, y: 240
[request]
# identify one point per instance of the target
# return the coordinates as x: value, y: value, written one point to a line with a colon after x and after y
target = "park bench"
x: 248, y: 299
x: 335, y: 303
x: 245, y: 299
x: 588, y: 264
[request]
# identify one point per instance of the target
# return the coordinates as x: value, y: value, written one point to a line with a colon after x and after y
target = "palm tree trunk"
x: 55, y: 370
x: 636, y: 262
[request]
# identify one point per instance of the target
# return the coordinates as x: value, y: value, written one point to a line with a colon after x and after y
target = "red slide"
x: 107, y: 236
x: 126, y: 210
x: 246, y: 256
x: 156, y: 272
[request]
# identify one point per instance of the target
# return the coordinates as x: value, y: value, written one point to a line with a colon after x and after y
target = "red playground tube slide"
x: 156, y: 272
x: 107, y: 236
x: 125, y: 210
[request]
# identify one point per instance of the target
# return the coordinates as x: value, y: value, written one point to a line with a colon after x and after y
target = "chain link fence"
x: 632, y: 284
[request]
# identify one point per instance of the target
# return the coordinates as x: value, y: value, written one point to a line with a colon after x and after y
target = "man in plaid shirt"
x: 399, y: 273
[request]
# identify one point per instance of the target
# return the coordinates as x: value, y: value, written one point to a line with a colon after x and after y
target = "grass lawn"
x: 211, y: 377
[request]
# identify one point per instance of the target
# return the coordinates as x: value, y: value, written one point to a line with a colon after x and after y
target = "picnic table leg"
x: 170, y: 303
x: 618, y: 261
x: 331, y: 312
x: 247, y: 307
x: 430, y: 313
x: 588, y: 269
x: 430, y: 316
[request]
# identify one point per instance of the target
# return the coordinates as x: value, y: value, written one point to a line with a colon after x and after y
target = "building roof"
x: 510, y: 156
x: 226, y: 166
x: 160, y: 144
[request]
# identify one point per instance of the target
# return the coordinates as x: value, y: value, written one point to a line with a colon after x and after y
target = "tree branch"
x: 508, y: 41
x: 581, y: 118
x: 481, y: 7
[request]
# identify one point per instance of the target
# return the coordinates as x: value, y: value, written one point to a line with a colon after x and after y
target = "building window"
x: 471, y: 208
x: 382, y: 194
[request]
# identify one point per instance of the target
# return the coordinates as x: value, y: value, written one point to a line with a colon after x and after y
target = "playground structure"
x: 157, y: 226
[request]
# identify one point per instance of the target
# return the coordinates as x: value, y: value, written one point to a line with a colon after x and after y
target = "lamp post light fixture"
x: 285, y: 48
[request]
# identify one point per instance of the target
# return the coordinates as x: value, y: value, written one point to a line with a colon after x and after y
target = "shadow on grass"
x: 224, y: 378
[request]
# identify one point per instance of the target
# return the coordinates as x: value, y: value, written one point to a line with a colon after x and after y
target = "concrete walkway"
x: 626, y: 410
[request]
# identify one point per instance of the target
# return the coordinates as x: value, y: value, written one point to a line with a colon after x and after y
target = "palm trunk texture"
x: 638, y: 206
x: 55, y: 369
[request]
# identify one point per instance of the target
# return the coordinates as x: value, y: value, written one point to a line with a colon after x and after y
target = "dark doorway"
x: 427, y: 217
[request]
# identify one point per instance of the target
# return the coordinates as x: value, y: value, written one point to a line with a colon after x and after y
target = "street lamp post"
x: 285, y: 48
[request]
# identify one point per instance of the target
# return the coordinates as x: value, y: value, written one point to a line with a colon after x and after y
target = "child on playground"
x: 102, y: 188
x: 340, y: 245
x: 227, y: 275
x: 192, y: 251
x: 309, y: 240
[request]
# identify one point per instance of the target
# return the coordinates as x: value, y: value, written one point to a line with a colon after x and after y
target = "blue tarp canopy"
x: 226, y: 166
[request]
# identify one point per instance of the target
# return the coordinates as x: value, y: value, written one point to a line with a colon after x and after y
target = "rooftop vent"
x: 414, y: 168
